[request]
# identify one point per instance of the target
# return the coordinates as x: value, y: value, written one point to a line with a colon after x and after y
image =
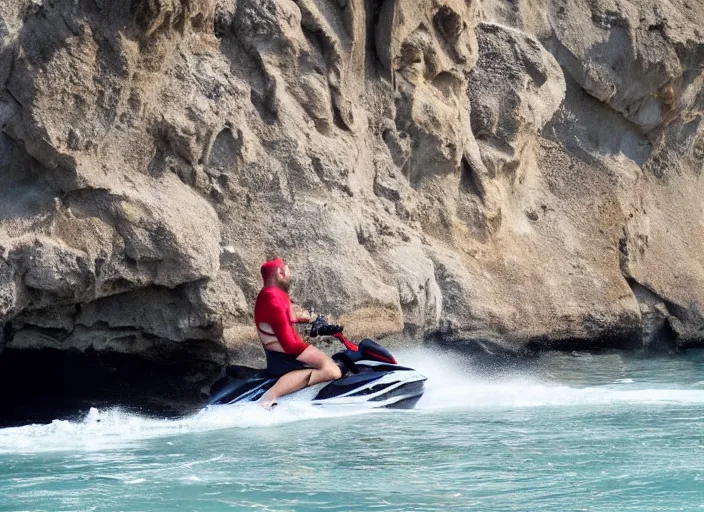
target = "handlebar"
x: 320, y: 327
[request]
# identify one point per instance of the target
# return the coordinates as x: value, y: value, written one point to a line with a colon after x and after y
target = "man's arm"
x: 288, y: 337
x: 303, y: 319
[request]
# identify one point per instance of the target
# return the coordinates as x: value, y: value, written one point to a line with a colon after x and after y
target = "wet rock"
x: 5, y: 333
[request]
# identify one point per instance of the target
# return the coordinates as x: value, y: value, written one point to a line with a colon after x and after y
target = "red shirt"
x: 274, y: 307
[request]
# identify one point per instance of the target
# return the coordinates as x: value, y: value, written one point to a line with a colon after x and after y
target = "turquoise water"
x: 597, y: 433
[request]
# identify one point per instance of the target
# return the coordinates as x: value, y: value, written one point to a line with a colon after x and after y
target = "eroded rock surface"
x: 518, y: 174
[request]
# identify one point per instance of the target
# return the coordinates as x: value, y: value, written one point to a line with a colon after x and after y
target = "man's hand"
x: 301, y: 315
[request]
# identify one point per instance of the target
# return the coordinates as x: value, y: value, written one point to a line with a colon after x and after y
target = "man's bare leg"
x: 287, y: 383
x: 324, y: 369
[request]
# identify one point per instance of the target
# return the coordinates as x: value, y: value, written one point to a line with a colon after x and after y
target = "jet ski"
x: 371, y: 377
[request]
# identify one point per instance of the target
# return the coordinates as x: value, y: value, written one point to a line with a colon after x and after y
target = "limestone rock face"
x: 516, y: 174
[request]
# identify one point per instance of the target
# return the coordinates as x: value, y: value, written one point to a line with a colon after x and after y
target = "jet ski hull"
x: 376, y: 385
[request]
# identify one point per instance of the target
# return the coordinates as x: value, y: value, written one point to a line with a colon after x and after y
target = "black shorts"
x: 278, y: 363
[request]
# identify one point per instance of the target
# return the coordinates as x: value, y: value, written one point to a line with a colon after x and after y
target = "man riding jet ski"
x: 293, y: 365
x: 370, y: 377
x: 287, y: 355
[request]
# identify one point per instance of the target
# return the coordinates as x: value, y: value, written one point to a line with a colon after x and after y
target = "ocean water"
x: 570, y: 432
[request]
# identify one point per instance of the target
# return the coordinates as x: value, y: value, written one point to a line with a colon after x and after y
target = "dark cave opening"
x: 39, y: 386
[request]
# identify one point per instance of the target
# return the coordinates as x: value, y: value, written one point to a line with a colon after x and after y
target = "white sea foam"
x: 115, y: 428
x: 449, y: 385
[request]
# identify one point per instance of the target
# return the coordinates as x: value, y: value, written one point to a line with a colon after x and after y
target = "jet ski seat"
x: 244, y: 372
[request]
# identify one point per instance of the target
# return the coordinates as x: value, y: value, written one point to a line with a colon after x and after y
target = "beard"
x: 284, y: 284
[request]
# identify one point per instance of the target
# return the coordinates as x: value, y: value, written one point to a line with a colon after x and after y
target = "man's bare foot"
x: 268, y: 404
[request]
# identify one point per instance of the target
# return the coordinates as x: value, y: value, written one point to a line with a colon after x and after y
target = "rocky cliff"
x: 513, y: 173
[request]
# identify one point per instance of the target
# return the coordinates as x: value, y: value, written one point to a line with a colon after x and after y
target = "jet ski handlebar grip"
x: 330, y: 330
x: 320, y: 327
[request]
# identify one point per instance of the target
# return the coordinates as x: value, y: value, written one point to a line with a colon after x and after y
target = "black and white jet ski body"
x: 371, y: 377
